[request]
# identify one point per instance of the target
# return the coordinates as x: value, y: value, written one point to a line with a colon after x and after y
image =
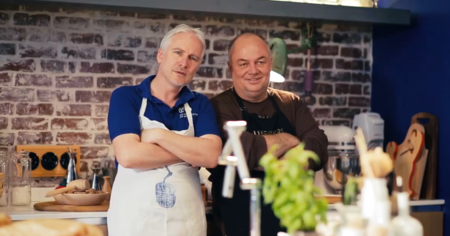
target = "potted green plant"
x: 289, y: 186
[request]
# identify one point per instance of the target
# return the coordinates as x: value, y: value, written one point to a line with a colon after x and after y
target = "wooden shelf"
x: 252, y: 8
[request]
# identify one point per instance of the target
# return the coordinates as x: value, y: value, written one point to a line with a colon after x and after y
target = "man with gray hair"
x: 160, y: 130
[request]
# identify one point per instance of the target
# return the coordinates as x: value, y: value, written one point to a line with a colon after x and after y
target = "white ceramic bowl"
x: 77, y: 199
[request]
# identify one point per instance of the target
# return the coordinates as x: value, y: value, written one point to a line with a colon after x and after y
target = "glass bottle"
x: 404, y: 224
x: 20, y: 179
x: 4, y: 178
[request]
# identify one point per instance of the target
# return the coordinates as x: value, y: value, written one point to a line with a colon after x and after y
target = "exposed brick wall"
x: 58, y: 68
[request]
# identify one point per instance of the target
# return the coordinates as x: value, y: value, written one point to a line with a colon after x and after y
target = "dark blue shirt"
x: 123, y: 114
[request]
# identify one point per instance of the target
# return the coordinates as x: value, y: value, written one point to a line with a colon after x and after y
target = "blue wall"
x: 410, y: 75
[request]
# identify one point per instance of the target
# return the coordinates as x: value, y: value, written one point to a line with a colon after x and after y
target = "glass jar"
x: 4, y: 178
x: 20, y: 179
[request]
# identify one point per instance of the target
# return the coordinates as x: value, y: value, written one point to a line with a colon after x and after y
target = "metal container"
x: 71, y: 169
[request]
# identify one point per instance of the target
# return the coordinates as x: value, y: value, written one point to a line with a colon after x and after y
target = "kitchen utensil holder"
x: 233, y: 144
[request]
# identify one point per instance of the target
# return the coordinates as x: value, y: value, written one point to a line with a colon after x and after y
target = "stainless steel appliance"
x: 373, y: 128
x: 342, y: 159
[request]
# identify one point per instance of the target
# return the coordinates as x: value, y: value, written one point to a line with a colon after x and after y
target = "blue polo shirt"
x: 125, y: 103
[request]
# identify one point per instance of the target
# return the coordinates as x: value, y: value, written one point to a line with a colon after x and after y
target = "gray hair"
x: 183, y: 28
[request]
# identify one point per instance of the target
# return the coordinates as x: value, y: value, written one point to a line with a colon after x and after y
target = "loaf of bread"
x: 47, y: 227
x: 5, y: 220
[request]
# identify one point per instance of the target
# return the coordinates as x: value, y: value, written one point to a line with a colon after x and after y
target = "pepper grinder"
x: 106, y: 186
x: 96, y: 169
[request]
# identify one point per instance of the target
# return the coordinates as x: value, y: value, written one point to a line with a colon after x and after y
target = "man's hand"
x: 284, y: 141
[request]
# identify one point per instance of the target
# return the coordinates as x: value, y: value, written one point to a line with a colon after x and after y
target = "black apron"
x: 235, y: 212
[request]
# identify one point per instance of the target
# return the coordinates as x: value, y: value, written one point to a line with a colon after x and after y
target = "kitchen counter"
x: 99, y: 218
x: 18, y: 213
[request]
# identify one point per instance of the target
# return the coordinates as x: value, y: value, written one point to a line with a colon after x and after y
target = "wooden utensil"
x: 374, y: 163
x: 431, y: 125
x: 79, y: 185
x: 380, y: 162
x: 360, y: 142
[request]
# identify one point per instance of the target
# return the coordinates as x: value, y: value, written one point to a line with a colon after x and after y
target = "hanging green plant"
x: 289, y: 186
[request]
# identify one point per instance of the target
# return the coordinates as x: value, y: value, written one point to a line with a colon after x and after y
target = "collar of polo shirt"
x: 144, y: 90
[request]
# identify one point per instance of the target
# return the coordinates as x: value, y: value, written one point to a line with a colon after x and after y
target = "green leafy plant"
x: 351, y: 191
x: 289, y: 186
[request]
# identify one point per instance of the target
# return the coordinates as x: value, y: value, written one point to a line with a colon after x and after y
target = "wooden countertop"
x: 99, y: 218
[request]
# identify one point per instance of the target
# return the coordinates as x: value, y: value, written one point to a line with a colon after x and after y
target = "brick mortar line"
x: 136, y: 50
x: 143, y: 48
x: 169, y: 21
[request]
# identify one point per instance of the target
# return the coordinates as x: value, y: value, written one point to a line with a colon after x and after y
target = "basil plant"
x: 289, y: 187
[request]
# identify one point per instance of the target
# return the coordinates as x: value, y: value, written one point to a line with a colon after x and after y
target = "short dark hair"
x: 247, y: 33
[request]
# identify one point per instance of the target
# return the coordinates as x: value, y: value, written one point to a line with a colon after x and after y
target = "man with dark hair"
x: 273, y: 117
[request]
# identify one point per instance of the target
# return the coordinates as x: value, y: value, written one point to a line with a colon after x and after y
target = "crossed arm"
x: 255, y: 146
x: 151, y: 150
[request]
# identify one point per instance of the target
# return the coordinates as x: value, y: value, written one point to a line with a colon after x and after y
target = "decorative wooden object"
x: 431, y: 124
x: 410, y: 159
x: 50, y: 160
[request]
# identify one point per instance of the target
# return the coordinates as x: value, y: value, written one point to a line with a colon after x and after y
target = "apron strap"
x: 188, y: 110
x: 143, y: 107
x: 274, y: 103
x: 241, y: 105
x: 244, y: 109
x: 239, y: 101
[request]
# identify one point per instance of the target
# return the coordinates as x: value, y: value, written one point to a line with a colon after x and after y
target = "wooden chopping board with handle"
x: 409, y: 162
x: 431, y: 124
x: 54, y: 206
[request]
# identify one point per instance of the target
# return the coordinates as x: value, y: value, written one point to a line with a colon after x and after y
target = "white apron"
x: 162, y: 202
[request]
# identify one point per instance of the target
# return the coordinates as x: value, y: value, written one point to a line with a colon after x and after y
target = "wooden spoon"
x: 380, y: 162
x: 79, y: 185
x: 360, y: 142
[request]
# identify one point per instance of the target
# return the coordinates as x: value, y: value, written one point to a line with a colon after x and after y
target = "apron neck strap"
x: 143, y: 106
x: 188, y: 110
x: 244, y: 109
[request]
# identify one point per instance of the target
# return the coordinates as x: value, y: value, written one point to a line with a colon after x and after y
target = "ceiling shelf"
x: 254, y: 8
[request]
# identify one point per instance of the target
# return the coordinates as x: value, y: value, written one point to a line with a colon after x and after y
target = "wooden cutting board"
x: 54, y: 206
x: 334, y: 199
x: 431, y: 124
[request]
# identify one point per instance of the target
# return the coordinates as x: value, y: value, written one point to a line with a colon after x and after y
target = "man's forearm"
x: 318, y: 144
x: 140, y: 155
x: 196, y: 151
x: 284, y: 141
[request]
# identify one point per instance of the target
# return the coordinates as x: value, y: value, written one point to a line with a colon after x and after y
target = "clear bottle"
x: 404, y: 224
x: 20, y: 179
x: 4, y: 178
